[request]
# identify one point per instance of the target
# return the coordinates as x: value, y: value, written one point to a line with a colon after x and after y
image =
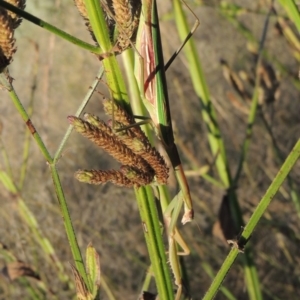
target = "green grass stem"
x: 152, y: 231
x: 113, y: 73
x: 202, y: 91
x: 68, y: 226
x: 77, y: 114
x: 20, y: 108
x: 62, y: 201
x: 254, y: 219
x: 29, y: 17
x: 292, y: 11
x: 146, y: 202
x: 254, y: 106
x: 272, y: 190
x: 29, y: 219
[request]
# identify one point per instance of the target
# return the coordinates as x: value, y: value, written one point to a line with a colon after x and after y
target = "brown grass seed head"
x: 110, y: 144
x: 140, y: 178
x: 136, y: 140
x: 120, y: 115
x: 100, y: 177
x: 126, y: 15
x: 7, y: 41
x: 15, y: 19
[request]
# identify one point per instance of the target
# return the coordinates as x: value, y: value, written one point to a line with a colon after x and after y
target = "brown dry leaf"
x: 269, y: 85
x: 234, y: 80
x: 147, y: 296
x: 7, y: 40
x: 218, y: 233
x: 237, y: 103
x: 224, y: 228
x: 16, y: 20
x: 81, y: 289
x: 17, y: 269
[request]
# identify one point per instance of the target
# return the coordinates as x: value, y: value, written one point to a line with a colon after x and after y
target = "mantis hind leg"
x: 192, y: 31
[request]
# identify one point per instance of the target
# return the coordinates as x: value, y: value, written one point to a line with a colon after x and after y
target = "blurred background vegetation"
x: 52, y: 76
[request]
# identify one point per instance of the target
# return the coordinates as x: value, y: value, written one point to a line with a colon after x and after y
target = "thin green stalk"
x: 7, y: 165
x: 98, y: 24
x: 137, y: 106
x: 254, y: 104
x: 218, y: 279
x: 106, y: 288
x: 293, y: 192
x: 16, y: 101
x: 152, y: 231
x: 25, y: 157
x: 66, y: 217
x: 272, y: 190
x: 146, y: 201
x: 201, y: 88
x: 147, y: 280
x: 292, y: 11
x: 68, y: 226
x: 77, y: 114
x: 32, y: 223
x: 112, y: 70
x: 210, y: 272
x: 254, y: 219
x: 27, y: 16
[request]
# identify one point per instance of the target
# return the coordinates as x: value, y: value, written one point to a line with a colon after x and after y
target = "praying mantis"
x: 150, y: 74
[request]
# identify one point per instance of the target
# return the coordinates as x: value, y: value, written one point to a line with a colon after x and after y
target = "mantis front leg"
x: 175, y: 239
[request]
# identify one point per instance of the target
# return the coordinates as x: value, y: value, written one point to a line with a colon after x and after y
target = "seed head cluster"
x: 141, y: 164
x: 122, y: 19
x: 8, y: 23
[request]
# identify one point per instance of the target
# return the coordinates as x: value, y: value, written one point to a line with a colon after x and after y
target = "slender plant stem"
x: 77, y: 114
x: 152, y: 231
x: 202, y: 91
x: 272, y: 190
x: 113, y: 73
x: 292, y: 10
x: 60, y: 195
x: 254, y: 219
x: 27, y: 16
x: 16, y: 101
x: 68, y: 226
x: 254, y: 104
